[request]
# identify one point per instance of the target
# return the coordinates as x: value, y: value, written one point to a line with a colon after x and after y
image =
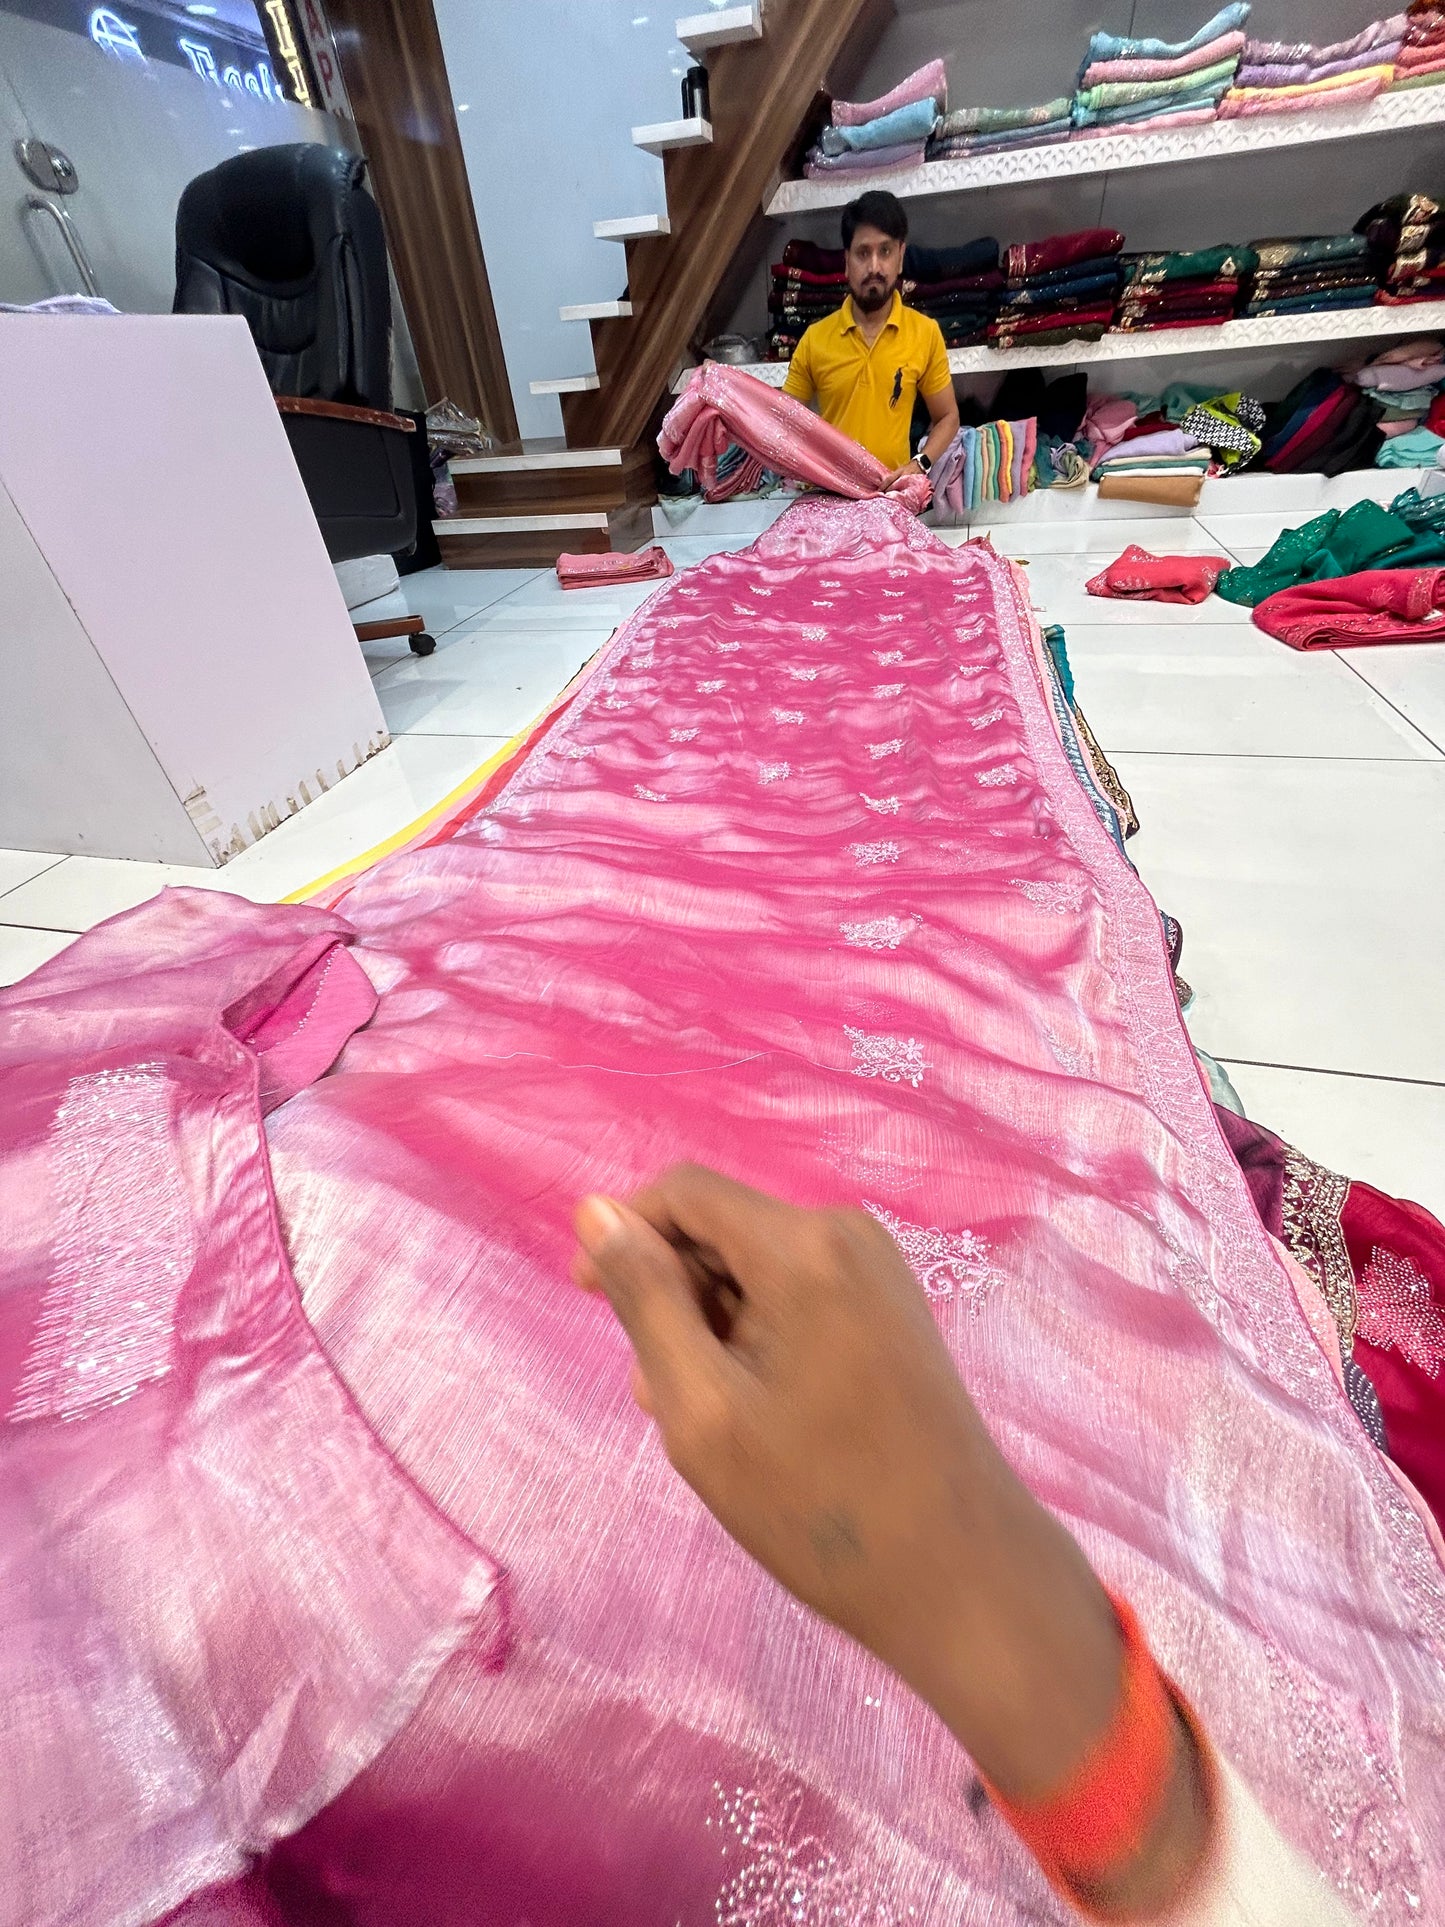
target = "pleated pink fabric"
x: 801, y: 885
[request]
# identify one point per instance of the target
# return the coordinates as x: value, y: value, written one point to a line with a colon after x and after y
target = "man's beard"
x: 872, y: 296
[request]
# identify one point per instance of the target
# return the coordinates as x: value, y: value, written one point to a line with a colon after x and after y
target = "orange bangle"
x: 1101, y: 1816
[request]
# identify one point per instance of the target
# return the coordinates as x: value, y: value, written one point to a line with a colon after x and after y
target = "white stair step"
x: 721, y: 27
x: 566, y: 385
x: 632, y: 227
x: 536, y: 459
x: 519, y: 524
x: 665, y: 134
x: 596, y: 311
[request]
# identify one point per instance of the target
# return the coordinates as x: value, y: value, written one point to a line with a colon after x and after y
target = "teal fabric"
x: 1417, y: 449
x: 1365, y: 536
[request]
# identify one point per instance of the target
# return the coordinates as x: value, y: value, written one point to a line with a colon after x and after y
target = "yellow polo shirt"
x: 868, y: 392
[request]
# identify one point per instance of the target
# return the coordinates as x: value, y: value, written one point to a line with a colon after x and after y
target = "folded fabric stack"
x: 1406, y: 238
x: 1340, y: 542
x: 985, y: 130
x: 1057, y: 407
x: 1165, y: 465
x: 879, y: 136
x: 609, y: 569
x: 1061, y: 289
x: 1182, y: 290
x: 958, y: 287
x: 1138, y: 576
x: 1134, y: 86
x: 1323, y: 426
x: 993, y: 462
x: 1408, y: 382
x: 1278, y: 78
x: 1421, y: 59
x: 1310, y: 275
x: 808, y: 283
x: 738, y: 474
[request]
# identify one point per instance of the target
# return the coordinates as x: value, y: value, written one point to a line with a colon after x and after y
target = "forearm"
x: 940, y: 434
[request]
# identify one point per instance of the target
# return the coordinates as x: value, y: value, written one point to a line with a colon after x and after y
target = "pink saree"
x: 802, y: 884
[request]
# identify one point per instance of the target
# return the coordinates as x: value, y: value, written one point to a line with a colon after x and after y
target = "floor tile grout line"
x: 54, y: 864
x: 1360, y: 674
x: 1321, y: 1070
x: 1276, y: 756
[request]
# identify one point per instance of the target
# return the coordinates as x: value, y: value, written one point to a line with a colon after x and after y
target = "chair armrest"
x: 341, y: 411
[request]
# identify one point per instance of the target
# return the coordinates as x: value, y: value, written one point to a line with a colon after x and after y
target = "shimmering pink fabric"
x: 219, y: 1594
x: 721, y: 405
x: 802, y: 885
x: 929, y: 82
x: 587, y: 571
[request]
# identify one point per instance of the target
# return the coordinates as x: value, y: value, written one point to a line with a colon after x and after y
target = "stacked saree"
x: 372, y: 1594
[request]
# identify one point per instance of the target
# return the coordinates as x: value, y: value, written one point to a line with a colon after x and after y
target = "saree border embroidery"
x: 1311, y: 1201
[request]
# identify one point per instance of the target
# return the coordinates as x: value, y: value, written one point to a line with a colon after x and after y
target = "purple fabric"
x: 1278, y: 75
x: 1163, y: 441
x: 871, y: 160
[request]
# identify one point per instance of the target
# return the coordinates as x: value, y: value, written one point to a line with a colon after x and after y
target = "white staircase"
x: 664, y: 135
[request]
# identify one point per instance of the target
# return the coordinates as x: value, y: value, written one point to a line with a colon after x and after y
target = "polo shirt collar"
x: 851, y: 319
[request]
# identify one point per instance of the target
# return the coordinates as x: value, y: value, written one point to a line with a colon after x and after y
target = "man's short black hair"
x: 877, y: 208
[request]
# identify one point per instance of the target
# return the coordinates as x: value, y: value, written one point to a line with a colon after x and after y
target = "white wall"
x: 547, y: 93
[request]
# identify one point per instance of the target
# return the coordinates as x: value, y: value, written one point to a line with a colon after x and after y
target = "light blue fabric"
x: 1110, y: 46
x: 915, y: 122
x: 1417, y: 449
x: 972, y: 472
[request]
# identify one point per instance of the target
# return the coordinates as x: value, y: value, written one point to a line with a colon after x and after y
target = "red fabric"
x: 1350, y: 611
x: 1314, y: 431
x: 1059, y: 251
x: 1141, y: 577
x: 1099, y: 1818
x: 1052, y: 320
x: 1397, y: 1253
x: 591, y: 571
x: 1435, y: 419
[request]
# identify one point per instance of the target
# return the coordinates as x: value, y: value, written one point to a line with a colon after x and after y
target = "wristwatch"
x: 924, y: 461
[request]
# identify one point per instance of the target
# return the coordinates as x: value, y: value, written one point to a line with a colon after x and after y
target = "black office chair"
x: 289, y: 238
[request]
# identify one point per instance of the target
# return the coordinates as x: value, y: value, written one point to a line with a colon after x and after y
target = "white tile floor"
x: 1293, y: 812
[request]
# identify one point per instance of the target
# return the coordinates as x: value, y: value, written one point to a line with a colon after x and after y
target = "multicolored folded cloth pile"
x: 985, y: 130
x: 1276, y: 77
x: 1323, y: 426
x: 959, y: 287
x: 1061, y: 289
x: 1406, y: 239
x: 1128, y: 85
x: 1408, y: 382
x: 884, y: 135
x: 1310, y: 274
x: 1228, y: 426
x: 991, y: 462
x: 808, y: 283
x: 1421, y: 59
x: 1187, y: 290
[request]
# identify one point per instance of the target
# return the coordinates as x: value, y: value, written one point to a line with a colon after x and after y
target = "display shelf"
x: 1258, y: 134
x: 1225, y: 337
x: 700, y: 31
x: 662, y: 136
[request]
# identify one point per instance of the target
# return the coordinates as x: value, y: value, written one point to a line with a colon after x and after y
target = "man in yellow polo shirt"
x: 865, y: 364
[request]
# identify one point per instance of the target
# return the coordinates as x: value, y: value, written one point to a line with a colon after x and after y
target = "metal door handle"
x: 37, y: 204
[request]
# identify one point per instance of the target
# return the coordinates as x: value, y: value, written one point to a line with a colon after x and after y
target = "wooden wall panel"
x: 395, y: 73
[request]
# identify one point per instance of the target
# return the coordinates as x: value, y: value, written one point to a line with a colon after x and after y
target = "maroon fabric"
x: 808, y: 277
x: 1351, y: 611
x: 1314, y: 431
x: 1139, y: 576
x: 804, y: 254
x: 1051, y: 320
x: 1397, y: 1253
x: 1059, y: 251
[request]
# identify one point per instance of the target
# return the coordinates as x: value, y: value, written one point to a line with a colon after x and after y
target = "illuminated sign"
x: 115, y: 36
x: 287, y: 50
x: 258, y: 80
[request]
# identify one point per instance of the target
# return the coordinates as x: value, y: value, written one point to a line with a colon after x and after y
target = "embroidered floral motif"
x: 826, y: 603
x: 885, y: 658
x: 896, y: 594
x: 945, y: 1263
x: 774, y: 772
x: 641, y: 658
x: 758, y: 589
x: 982, y: 722
x: 681, y: 735
x: 999, y: 778
x: 574, y: 752
x: 786, y: 1876
x: 727, y: 648
x: 1061, y: 898
x: 884, y: 805
x: 614, y: 701
x: 897, y: 1060
x: 1065, y: 1056
x: 879, y: 933
x: 972, y: 668
x: 879, y: 750
x: 800, y: 674
x: 1397, y: 1312
x: 710, y: 688
x: 970, y: 630
x: 814, y: 633
x: 866, y: 853
x: 889, y: 689
x: 647, y: 795
x: 892, y: 618
x: 1311, y: 1200
x: 788, y: 716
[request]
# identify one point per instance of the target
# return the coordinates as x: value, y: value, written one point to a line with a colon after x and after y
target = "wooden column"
x: 396, y: 77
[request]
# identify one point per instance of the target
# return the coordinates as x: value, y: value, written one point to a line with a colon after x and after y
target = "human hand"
x: 802, y: 1389
x: 896, y: 475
